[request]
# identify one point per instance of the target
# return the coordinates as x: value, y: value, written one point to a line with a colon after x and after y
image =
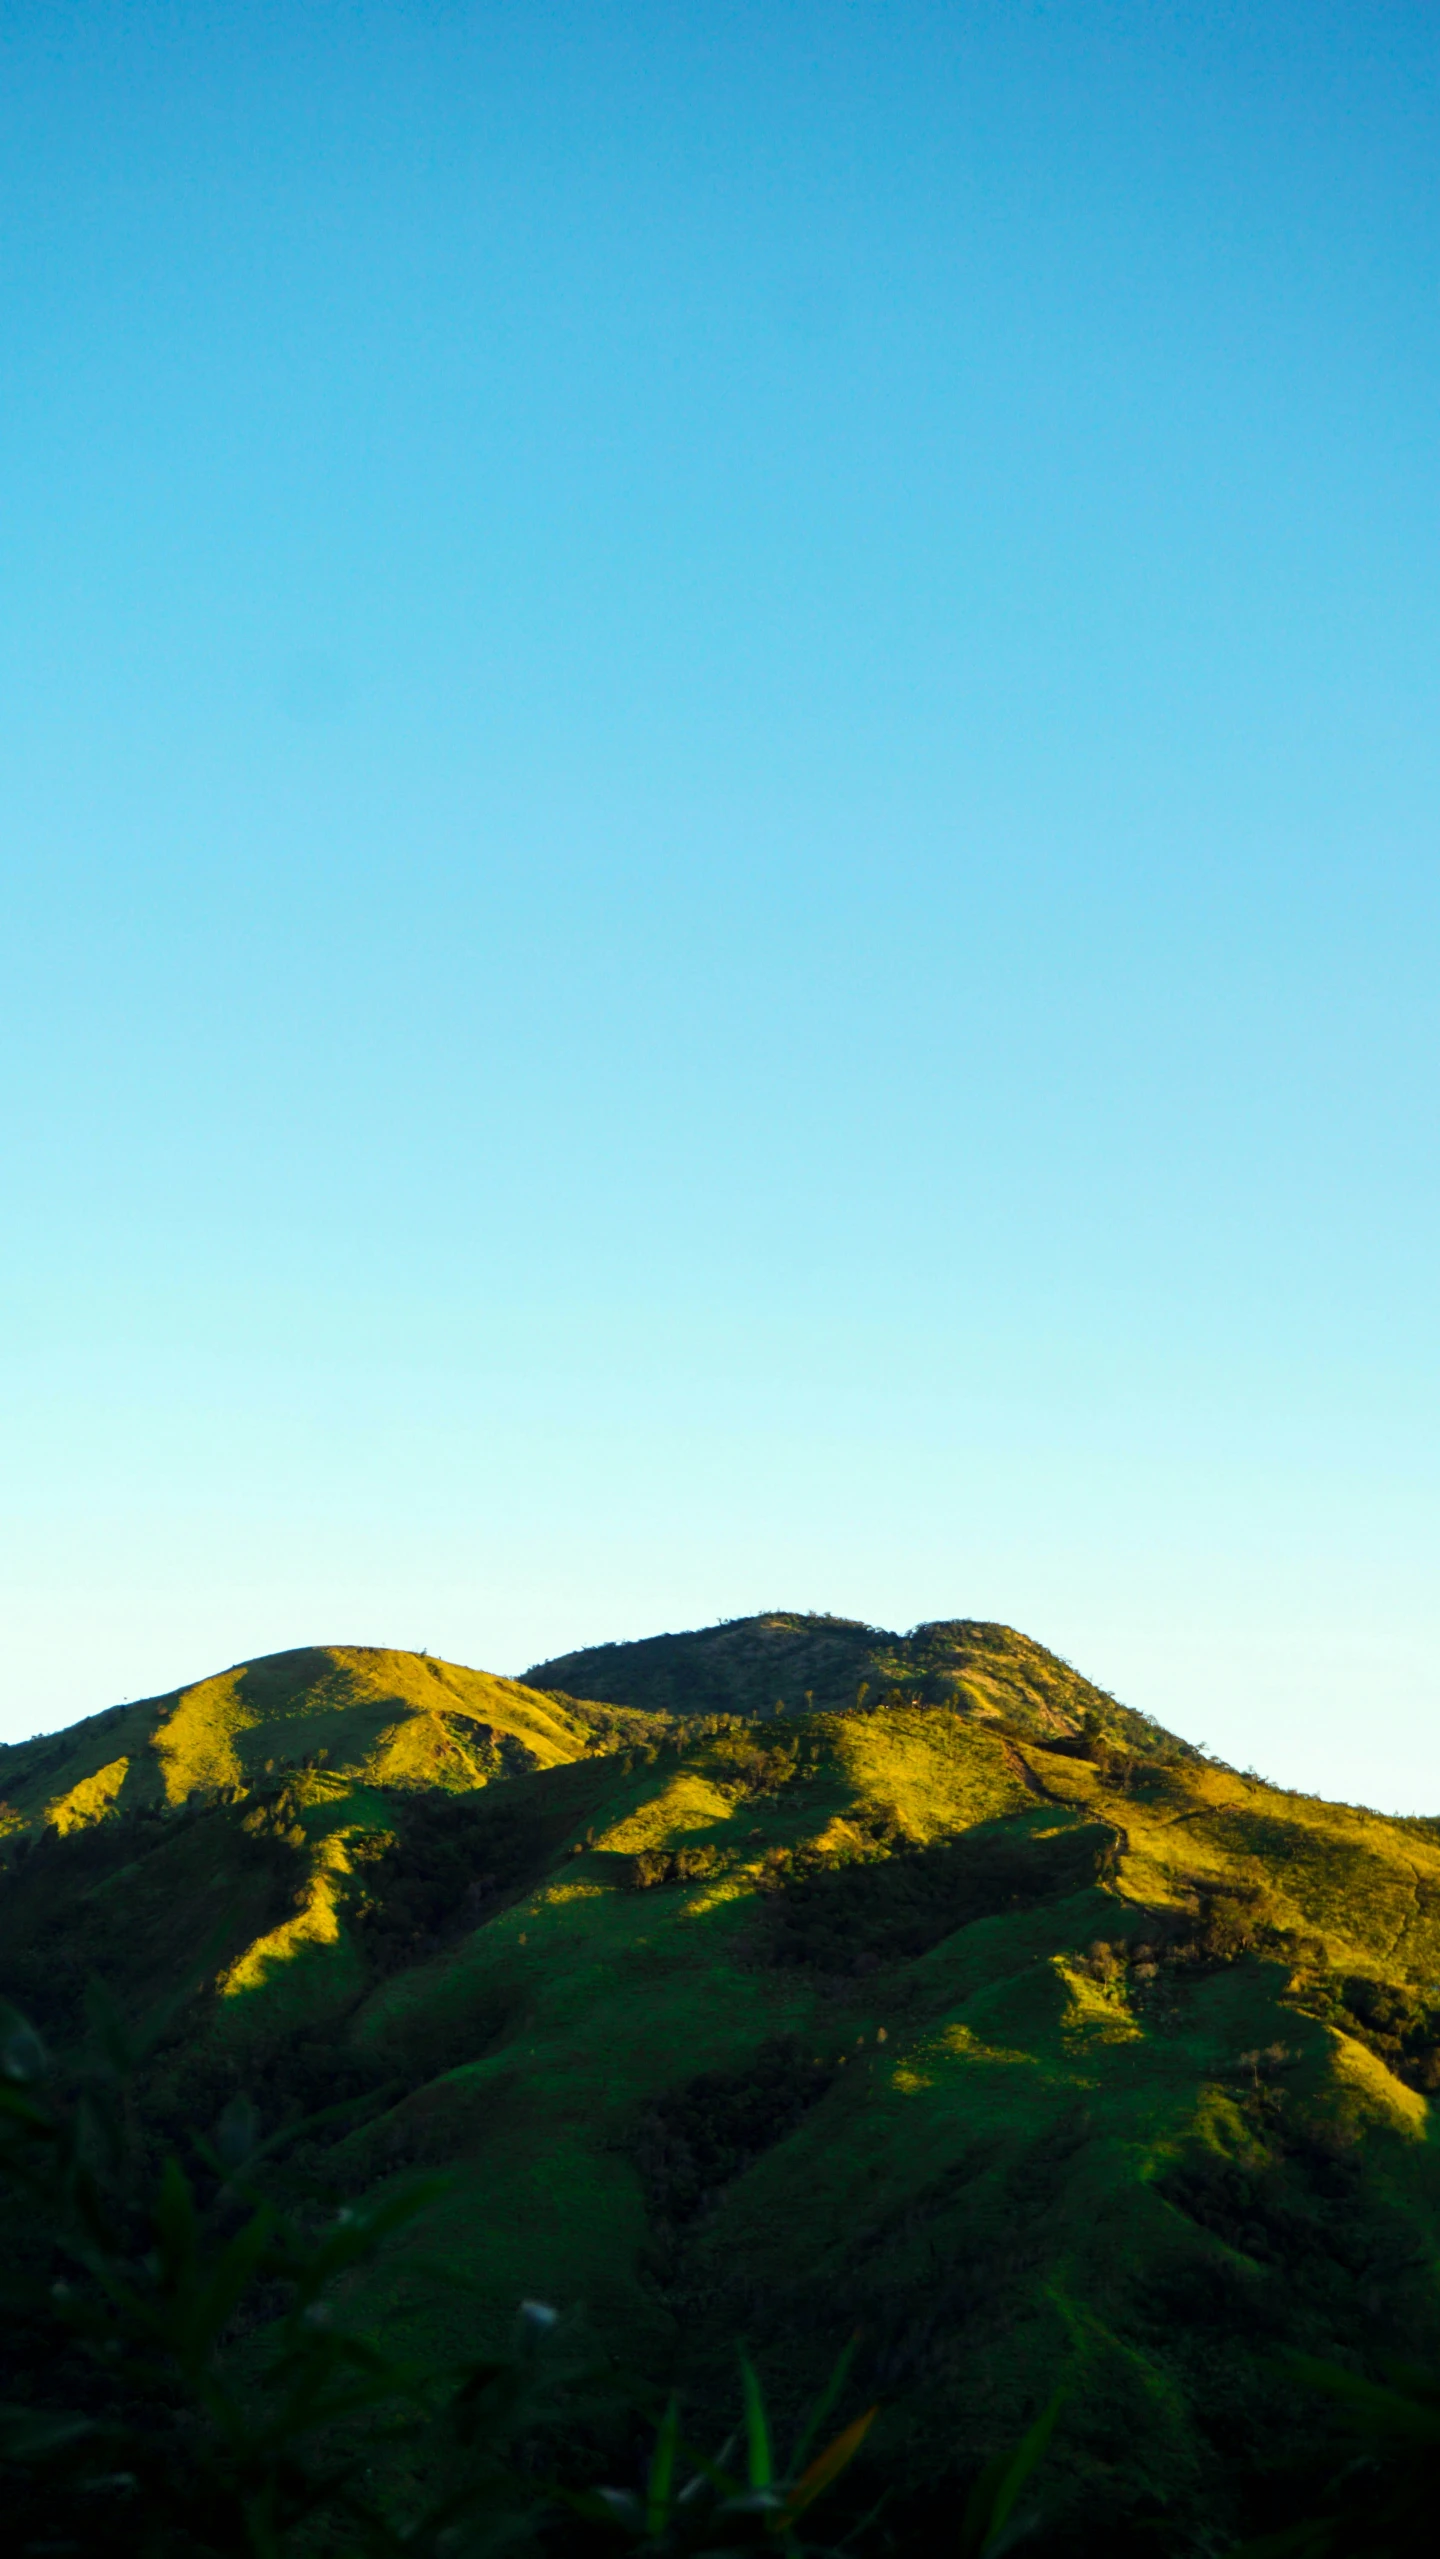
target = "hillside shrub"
x: 691, y: 2142
x: 671, y: 1866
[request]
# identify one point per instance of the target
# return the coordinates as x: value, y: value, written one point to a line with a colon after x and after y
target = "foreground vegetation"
x: 185, y: 2379
x: 987, y: 2025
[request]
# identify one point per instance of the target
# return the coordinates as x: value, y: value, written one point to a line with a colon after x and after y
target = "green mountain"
x: 791, y: 1978
x: 377, y: 1718
x: 783, y: 1663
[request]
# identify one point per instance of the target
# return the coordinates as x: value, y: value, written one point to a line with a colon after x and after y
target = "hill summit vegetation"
x: 792, y: 1981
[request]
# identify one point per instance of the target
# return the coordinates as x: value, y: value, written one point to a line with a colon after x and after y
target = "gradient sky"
x: 720, y: 777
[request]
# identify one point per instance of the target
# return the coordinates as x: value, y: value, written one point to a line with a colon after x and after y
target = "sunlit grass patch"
x: 1366, y: 2091
x: 314, y: 1928
x: 686, y: 1803
x: 91, y: 1800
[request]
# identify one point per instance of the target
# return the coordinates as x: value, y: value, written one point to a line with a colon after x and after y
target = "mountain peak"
x: 790, y: 1661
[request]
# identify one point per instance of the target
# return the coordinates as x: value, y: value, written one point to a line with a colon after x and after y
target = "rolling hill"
x: 790, y: 1978
x: 378, y: 1718
x: 782, y: 1662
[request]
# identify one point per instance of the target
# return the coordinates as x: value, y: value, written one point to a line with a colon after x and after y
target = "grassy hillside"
x: 1015, y: 2035
x: 783, y: 1663
x: 380, y: 1718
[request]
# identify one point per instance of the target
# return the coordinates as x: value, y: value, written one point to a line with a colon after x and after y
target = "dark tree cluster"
x: 853, y: 1915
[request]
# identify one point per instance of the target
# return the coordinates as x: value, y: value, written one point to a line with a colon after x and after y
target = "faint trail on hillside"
x: 1021, y: 1768
x: 1412, y: 1916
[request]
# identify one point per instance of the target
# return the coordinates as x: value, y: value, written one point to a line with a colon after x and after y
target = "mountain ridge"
x: 416, y: 1719
x: 744, y: 1665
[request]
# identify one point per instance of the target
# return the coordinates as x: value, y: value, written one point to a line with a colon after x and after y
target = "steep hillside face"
x: 380, y: 1718
x: 783, y: 1663
x: 1030, y: 2054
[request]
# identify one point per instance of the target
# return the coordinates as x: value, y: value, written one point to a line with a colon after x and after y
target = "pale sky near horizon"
x: 720, y: 780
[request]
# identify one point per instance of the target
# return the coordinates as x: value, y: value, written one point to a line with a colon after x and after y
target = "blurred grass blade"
x: 827, y: 2466
x: 992, y: 2500
x: 757, y: 2426
x: 662, y: 2470
x: 1409, y: 2412
x: 822, y: 2407
x: 23, y: 2057
x: 176, y: 2224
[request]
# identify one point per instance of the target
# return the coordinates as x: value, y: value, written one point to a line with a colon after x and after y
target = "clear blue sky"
x: 721, y: 769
